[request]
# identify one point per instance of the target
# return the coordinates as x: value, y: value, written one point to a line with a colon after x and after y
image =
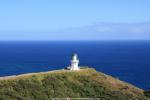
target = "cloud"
x: 111, y: 31
x: 100, y: 31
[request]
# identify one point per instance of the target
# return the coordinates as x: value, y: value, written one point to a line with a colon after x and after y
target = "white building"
x: 74, y: 62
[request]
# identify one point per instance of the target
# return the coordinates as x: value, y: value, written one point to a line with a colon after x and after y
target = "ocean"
x: 126, y: 60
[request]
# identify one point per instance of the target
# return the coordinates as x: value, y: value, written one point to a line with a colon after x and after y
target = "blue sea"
x: 126, y: 60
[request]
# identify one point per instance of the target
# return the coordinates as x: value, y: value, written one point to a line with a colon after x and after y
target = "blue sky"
x: 70, y: 19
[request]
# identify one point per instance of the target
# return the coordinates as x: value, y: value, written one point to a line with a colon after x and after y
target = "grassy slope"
x: 63, y: 84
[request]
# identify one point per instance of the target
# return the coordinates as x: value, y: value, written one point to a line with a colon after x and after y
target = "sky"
x: 74, y: 19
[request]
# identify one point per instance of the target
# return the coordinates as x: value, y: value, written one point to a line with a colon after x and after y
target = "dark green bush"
x: 147, y: 93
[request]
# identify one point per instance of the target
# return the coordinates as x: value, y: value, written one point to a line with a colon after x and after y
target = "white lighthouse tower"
x: 74, y: 62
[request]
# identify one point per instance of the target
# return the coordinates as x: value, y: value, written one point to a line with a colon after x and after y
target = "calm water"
x: 126, y: 60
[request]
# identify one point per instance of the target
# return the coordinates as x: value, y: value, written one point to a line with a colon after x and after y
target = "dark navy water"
x: 126, y: 60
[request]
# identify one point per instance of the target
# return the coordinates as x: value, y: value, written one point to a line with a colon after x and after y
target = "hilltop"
x: 84, y: 83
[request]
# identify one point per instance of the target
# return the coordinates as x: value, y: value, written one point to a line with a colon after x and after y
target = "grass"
x: 85, y: 83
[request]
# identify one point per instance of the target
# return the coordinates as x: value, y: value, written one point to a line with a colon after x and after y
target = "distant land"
x: 83, y: 83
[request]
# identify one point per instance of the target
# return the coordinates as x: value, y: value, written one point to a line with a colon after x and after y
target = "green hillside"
x: 85, y: 83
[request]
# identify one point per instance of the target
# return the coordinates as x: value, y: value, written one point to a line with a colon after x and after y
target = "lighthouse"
x: 74, y: 62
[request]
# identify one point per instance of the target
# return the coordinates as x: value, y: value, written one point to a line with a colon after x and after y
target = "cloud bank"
x: 111, y: 31
x: 100, y: 31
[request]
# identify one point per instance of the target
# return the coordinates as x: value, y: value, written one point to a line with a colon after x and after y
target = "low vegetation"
x: 86, y: 83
